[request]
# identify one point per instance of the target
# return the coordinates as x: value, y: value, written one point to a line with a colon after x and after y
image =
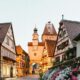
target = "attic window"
x: 7, y: 40
x: 62, y: 33
x: 13, y: 45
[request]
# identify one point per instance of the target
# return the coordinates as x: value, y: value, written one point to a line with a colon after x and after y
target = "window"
x: 63, y: 57
x: 35, y: 47
x: 13, y: 45
x: 34, y: 54
x: 7, y: 40
x: 23, y: 65
x: 58, y: 59
x: 62, y: 33
x: 4, y: 69
x: 63, y: 45
x: 23, y: 57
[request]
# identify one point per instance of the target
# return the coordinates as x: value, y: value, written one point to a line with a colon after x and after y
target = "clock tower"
x: 35, y: 50
x: 35, y: 37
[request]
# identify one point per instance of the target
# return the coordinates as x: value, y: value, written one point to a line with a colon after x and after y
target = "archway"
x: 35, y: 68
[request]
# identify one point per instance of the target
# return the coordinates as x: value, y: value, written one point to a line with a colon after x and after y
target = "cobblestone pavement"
x: 29, y: 77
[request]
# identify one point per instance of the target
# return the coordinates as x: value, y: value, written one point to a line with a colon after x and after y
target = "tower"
x: 49, y: 37
x: 49, y: 32
x: 35, y: 50
x: 35, y: 37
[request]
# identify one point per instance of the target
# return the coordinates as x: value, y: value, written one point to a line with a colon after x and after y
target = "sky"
x: 25, y: 14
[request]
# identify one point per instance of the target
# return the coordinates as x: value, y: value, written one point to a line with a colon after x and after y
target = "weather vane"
x: 62, y: 16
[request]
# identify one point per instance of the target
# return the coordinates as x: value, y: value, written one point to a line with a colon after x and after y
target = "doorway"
x: 35, y: 68
x: 11, y: 71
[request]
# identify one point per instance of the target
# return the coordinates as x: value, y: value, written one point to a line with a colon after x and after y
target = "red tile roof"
x: 49, y: 29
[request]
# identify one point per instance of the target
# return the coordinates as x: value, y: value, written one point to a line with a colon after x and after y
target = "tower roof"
x: 49, y: 29
x: 35, y: 30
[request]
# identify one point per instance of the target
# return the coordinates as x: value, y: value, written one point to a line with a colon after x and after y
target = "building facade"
x: 77, y: 40
x: 66, y: 47
x: 22, y: 60
x: 7, y: 51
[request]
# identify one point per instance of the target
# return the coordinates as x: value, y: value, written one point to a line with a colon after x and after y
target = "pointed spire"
x: 49, y: 29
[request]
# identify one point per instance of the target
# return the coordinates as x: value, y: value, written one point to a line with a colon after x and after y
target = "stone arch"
x: 35, y: 68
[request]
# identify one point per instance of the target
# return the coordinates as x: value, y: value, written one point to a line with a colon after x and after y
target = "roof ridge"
x: 71, y: 21
x: 5, y: 22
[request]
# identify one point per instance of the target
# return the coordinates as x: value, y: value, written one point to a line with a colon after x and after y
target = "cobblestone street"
x: 29, y: 77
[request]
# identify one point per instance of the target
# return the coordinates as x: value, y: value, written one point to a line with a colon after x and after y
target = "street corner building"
x: 7, y: 51
x: 41, y: 53
x: 22, y: 62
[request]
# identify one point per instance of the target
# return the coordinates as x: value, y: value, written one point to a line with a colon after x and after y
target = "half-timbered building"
x: 7, y: 51
x: 66, y: 45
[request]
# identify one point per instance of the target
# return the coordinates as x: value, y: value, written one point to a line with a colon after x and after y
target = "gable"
x: 3, y: 30
x: 62, y: 32
x: 72, y: 27
x: 63, y: 40
x: 9, y: 41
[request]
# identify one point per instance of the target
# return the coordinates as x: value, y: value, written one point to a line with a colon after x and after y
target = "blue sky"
x: 24, y: 14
